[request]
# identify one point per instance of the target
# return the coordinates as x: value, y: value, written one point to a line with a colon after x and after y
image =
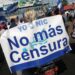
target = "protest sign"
x: 35, y: 44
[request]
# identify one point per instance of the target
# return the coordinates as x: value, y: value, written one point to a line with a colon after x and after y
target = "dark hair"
x: 21, y: 20
x: 13, y: 23
x: 56, y: 11
x: 12, y: 20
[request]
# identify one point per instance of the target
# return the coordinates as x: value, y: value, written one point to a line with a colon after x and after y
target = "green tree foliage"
x: 64, y: 2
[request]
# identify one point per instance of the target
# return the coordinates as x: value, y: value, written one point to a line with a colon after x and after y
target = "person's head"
x: 30, y: 15
x: 17, y: 19
x: 12, y: 20
x: 21, y: 20
x: 52, y: 13
x: 49, y: 13
x: 57, y: 11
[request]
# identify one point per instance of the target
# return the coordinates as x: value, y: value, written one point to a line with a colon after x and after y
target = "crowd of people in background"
x: 28, y: 16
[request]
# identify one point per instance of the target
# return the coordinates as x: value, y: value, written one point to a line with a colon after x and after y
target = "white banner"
x: 35, y: 44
